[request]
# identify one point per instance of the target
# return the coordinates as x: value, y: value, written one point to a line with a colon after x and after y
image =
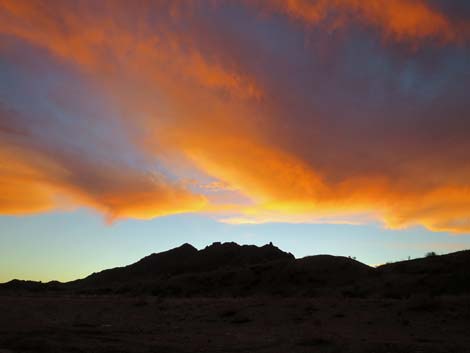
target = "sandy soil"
x: 148, y: 324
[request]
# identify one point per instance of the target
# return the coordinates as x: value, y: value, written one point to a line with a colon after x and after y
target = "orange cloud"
x: 27, y: 188
x: 401, y: 20
x: 101, y: 43
x: 35, y: 179
x: 21, y: 189
x: 191, y: 106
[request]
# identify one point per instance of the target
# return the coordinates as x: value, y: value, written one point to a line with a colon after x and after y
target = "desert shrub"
x: 431, y: 254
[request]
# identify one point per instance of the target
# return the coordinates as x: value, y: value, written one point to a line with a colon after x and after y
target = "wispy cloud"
x: 359, y: 116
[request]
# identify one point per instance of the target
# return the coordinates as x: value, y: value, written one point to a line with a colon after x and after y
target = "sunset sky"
x: 324, y: 126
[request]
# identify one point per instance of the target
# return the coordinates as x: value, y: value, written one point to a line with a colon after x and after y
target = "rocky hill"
x: 229, y: 269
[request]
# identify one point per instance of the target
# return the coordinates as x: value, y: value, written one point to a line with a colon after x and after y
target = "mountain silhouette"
x: 435, y: 275
x: 229, y: 269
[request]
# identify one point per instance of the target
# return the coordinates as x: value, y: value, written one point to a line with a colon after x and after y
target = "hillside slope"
x: 229, y: 269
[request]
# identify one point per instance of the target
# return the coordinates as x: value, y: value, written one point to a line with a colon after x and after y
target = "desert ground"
x: 258, y: 324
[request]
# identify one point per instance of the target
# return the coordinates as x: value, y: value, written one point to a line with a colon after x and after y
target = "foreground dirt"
x: 148, y: 324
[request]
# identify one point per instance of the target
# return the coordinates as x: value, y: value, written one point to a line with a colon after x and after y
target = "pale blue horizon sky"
x: 70, y: 245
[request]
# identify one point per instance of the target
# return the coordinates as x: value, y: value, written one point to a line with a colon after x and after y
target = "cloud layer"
x: 290, y: 111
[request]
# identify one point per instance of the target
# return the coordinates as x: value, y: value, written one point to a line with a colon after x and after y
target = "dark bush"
x: 431, y: 254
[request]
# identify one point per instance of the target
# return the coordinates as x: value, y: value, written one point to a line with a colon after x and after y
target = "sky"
x: 324, y: 126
